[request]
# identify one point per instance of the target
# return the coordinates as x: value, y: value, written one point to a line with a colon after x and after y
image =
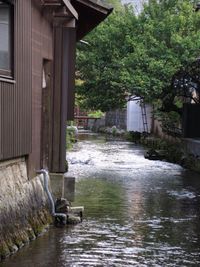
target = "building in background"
x: 139, y: 116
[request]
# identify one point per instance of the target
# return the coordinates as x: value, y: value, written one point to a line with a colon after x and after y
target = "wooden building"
x: 37, y: 59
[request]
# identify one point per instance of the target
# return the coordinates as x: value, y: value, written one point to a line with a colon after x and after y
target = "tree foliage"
x: 137, y: 54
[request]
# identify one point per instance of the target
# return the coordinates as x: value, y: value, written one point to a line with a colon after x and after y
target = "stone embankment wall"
x: 158, y: 132
x: 23, y: 207
x: 96, y: 124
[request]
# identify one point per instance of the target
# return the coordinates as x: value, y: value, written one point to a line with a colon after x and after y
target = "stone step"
x: 76, y: 209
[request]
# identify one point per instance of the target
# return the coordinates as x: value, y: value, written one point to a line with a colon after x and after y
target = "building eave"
x: 60, y: 9
x: 91, y: 13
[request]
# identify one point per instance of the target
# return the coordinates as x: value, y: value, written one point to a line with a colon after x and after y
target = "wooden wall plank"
x: 57, y: 98
x: 71, y: 32
x: 63, y: 96
x: 16, y: 97
x: 42, y: 49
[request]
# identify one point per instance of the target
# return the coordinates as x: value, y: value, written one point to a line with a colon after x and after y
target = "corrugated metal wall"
x: 15, y: 98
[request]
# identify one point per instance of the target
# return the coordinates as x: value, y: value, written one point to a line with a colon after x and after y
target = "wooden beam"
x: 56, y: 113
x: 71, y: 8
x: 47, y: 3
x: 63, y: 95
x: 58, y: 13
x: 70, y: 41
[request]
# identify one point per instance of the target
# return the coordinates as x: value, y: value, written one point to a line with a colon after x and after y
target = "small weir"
x: 137, y: 212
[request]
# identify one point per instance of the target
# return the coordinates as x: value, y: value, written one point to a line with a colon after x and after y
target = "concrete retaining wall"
x: 23, y: 207
x: 158, y: 132
x: 94, y: 125
x: 116, y: 118
x: 192, y: 146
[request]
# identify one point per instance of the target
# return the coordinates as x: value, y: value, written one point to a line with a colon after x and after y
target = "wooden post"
x: 63, y: 93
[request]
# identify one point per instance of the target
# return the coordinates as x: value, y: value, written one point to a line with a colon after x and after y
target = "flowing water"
x: 137, y: 212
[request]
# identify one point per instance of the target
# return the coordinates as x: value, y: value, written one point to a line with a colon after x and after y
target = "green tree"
x: 137, y: 54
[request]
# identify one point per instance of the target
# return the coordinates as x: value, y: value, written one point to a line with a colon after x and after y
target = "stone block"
x: 56, y: 181
x: 69, y: 188
x: 192, y: 146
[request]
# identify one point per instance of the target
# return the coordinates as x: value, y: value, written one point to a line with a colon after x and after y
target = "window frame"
x: 9, y: 73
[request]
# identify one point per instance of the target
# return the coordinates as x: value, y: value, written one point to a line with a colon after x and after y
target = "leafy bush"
x: 96, y: 114
x: 71, y: 136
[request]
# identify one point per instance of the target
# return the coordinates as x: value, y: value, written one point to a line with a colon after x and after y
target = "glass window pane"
x: 4, y: 38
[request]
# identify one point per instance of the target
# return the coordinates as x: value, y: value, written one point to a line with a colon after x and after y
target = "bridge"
x: 82, y: 121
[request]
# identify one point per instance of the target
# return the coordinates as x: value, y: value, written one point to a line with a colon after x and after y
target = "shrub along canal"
x: 137, y: 212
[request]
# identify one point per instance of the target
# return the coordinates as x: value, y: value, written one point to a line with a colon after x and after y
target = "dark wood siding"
x: 21, y: 129
x: 42, y: 48
x: 57, y: 100
x: 70, y: 33
x: 15, y: 98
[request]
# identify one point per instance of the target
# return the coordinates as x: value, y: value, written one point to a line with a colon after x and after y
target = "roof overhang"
x: 59, y: 10
x: 87, y: 13
x: 91, y: 13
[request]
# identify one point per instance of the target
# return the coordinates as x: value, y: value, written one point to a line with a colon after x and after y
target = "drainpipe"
x: 62, y: 216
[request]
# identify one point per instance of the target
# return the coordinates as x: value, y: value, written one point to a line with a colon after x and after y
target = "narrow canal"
x: 137, y: 212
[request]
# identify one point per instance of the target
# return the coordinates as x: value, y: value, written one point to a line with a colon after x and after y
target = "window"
x: 6, y: 46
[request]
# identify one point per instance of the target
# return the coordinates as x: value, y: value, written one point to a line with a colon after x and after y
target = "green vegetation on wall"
x: 71, y: 137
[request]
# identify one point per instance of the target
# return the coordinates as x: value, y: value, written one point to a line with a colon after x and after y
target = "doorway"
x: 46, y: 110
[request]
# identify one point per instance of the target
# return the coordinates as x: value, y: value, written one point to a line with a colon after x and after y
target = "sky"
x: 136, y: 3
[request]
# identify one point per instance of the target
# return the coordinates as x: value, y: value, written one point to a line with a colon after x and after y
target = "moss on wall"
x: 23, y: 207
x: 12, y: 241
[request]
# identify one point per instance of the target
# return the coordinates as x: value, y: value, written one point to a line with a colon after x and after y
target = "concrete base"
x: 56, y: 181
x: 62, y: 186
x: 192, y: 146
x: 69, y: 188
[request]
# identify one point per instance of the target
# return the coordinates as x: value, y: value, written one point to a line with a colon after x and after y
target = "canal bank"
x: 137, y: 212
x: 182, y: 151
x: 185, y: 151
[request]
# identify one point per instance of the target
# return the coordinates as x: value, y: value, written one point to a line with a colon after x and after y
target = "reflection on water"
x: 137, y: 212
